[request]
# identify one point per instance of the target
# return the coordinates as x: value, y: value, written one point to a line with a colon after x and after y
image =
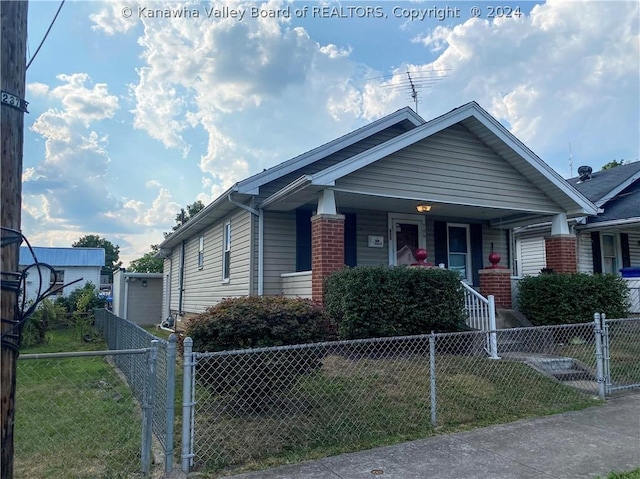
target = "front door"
x: 407, y: 233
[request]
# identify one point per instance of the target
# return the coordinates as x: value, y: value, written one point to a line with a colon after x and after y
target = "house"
x: 71, y: 265
x: 455, y: 185
x: 137, y: 296
x: 607, y: 241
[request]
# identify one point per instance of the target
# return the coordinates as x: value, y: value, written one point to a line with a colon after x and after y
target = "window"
x: 201, y: 252
x: 610, y: 262
x: 57, y: 280
x: 458, y: 242
x: 226, y: 251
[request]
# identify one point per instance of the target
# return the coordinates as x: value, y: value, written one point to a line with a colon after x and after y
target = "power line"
x: 45, y: 35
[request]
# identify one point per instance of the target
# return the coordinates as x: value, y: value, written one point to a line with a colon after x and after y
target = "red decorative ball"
x: 494, y: 258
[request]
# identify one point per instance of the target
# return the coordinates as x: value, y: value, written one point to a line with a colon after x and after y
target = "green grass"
x: 635, y: 474
x: 74, y: 417
x: 350, y: 405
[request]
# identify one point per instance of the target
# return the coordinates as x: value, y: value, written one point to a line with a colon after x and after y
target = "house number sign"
x: 13, y: 101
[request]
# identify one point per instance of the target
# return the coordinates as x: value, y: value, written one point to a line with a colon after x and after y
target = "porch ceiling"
x: 353, y: 201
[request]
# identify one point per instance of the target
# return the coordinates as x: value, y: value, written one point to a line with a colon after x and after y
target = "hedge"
x: 384, y: 301
x: 572, y: 298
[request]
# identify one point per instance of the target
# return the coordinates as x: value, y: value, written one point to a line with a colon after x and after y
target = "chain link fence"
x: 76, y: 417
x: 287, y: 402
x: 621, y: 354
x: 121, y: 334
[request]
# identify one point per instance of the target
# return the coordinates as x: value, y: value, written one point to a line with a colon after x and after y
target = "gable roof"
x: 605, y: 185
x: 490, y: 132
x: 405, y: 117
x: 63, y: 256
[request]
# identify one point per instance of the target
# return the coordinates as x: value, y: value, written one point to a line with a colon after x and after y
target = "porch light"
x: 423, y: 208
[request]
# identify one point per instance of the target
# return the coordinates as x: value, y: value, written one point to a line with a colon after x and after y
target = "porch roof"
x: 489, y: 131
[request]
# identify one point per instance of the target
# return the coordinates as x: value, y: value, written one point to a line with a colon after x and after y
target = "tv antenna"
x: 415, y: 81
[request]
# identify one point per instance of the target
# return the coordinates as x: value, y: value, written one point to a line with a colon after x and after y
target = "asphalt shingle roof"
x: 602, y: 182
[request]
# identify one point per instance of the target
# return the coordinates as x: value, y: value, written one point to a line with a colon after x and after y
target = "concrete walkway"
x: 578, y: 444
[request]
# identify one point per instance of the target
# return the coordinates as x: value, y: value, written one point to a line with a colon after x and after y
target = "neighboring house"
x: 137, y: 297
x: 455, y: 185
x: 70, y: 264
x: 607, y: 241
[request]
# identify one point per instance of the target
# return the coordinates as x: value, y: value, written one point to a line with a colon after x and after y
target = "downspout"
x: 260, y: 214
x: 181, y: 285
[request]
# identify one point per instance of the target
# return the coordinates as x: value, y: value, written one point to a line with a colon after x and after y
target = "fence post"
x: 147, y: 407
x: 187, y: 404
x: 599, y: 355
x: 171, y: 392
x: 606, y: 354
x: 493, y: 338
x: 432, y: 378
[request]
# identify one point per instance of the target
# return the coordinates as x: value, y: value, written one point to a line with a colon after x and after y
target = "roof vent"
x: 585, y: 173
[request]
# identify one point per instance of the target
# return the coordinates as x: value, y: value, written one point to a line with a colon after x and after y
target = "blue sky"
x: 133, y: 117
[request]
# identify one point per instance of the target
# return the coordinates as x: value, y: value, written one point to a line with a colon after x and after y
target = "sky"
x: 137, y: 109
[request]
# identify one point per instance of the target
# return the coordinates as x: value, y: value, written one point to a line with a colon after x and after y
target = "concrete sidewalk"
x: 578, y: 444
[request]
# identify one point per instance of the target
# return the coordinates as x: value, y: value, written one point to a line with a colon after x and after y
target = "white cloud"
x: 113, y: 18
x: 38, y: 89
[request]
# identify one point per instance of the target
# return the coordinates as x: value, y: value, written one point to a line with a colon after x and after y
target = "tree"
x: 111, y: 252
x: 185, y: 215
x: 147, y: 263
x: 612, y: 164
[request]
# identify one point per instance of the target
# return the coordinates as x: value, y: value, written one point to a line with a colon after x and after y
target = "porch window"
x: 610, y: 261
x: 57, y: 281
x: 226, y: 248
x: 201, y: 252
x: 458, y: 243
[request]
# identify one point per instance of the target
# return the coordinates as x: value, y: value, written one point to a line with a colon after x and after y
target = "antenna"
x: 414, y: 93
x: 414, y: 81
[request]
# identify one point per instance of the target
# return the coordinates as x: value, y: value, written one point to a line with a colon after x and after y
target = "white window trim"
x: 201, y: 252
x: 469, y: 277
x: 404, y: 218
x: 226, y: 248
x: 617, y: 251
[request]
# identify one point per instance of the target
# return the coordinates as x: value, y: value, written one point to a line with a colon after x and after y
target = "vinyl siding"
x: 279, y: 249
x: 167, y: 276
x: 374, y: 224
x: 337, y: 157
x: 585, y: 253
x: 71, y: 273
x: 530, y: 254
x: 297, y: 285
x: 205, y: 287
x: 452, y: 166
x: 634, y: 248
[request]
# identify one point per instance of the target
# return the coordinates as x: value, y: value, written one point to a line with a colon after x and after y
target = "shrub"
x: 571, y: 298
x: 259, y: 321
x: 47, y: 314
x: 385, y: 301
x: 252, y: 383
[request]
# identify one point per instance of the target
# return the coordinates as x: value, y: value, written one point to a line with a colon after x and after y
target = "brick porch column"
x: 498, y: 283
x: 327, y: 250
x: 561, y: 253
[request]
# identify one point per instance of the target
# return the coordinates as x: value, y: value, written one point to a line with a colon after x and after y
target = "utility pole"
x: 13, y: 43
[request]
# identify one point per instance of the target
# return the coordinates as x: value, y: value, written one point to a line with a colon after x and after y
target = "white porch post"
x: 559, y: 225
x: 327, y: 203
x: 560, y: 247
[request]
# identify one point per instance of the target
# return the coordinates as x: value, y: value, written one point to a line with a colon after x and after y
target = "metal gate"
x: 617, y: 353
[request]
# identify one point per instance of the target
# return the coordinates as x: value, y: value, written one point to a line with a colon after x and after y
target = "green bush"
x: 383, y: 301
x: 253, y: 383
x: 45, y: 317
x: 572, y: 298
x: 259, y: 321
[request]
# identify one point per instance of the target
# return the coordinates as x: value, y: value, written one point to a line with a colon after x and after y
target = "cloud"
x: 552, y: 75
x: 111, y: 20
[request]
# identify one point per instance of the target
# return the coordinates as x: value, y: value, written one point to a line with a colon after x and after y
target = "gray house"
x: 455, y: 185
x: 607, y: 242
